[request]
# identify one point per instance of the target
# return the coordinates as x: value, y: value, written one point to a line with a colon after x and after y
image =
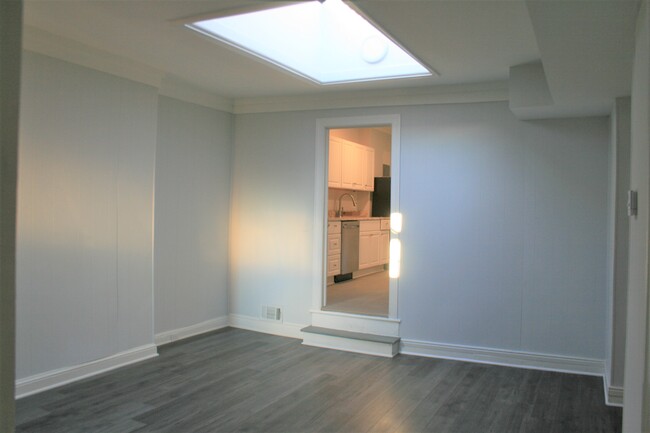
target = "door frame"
x: 323, y: 125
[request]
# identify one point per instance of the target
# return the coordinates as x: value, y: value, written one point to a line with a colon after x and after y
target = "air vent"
x: 271, y: 313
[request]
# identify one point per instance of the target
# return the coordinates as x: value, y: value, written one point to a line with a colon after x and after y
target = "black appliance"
x: 381, y: 197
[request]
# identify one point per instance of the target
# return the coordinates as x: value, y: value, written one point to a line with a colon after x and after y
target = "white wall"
x: 271, y: 217
x: 618, y: 238
x: 505, y: 225
x: 85, y: 215
x: 192, y: 214
x: 505, y: 230
x: 636, y: 412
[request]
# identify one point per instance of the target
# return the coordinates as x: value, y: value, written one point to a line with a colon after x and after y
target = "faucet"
x: 339, y: 213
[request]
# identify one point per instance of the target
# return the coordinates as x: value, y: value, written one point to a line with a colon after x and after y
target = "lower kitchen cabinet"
x: 369, y: 249
x: 384, y: 247
x: 373, y: 243
x: 333, y: 248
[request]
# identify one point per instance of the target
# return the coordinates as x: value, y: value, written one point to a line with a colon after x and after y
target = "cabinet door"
x: 368, y: 249
x: 364, y: 250
x: 351, y: 176
x: 384, y: 247
x: 368, y: 169
x: 333, y: 265
x: 334, y: 166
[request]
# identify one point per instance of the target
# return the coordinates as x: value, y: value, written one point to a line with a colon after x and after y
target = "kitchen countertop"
x: 356, y: 218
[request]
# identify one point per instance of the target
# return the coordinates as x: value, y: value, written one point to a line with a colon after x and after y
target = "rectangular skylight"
x: 325, y: 42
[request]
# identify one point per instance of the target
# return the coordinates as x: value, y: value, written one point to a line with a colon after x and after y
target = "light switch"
x: 632, y: 204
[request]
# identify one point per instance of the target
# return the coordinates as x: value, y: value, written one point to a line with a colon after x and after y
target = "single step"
x: 371, y: 344
x: 355, y: 322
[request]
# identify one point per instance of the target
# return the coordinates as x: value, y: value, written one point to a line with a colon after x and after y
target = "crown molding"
x: 493, y: 91
x: 178, y: 89
x: 48, y: 44
x: 42, y: 42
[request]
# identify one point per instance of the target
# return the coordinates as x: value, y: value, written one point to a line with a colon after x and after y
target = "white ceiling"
x: 464, y: 41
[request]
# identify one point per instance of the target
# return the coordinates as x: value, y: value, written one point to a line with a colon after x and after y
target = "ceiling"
x: 585, y: 46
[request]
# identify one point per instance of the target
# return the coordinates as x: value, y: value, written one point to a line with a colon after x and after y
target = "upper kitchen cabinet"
x: 334, y: 168
x: 368, y: 168
x: 351, y: 165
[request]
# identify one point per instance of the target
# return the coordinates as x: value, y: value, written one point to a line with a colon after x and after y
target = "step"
x: 370, y: 344
x: 355, y: 322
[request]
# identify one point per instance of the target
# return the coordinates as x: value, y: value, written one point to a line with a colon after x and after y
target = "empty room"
x: 324, y: 216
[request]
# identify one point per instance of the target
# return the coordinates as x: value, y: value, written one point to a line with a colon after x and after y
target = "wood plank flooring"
x: 241, y: 381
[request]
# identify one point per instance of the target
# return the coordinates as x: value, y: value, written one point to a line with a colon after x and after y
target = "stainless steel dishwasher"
x: 349, y: 246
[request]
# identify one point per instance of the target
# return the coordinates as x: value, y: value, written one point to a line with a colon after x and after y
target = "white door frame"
x: 320, y: 196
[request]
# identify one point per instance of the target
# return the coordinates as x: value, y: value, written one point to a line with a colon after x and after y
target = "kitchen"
x: 358, y: 232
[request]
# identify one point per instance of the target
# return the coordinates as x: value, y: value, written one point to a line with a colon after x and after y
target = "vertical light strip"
x: 395, y: 257
x: 395, y: 246
x: 396, y: 222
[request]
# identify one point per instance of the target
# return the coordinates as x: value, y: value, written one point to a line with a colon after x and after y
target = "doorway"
x: 365, y: 289
x: 358, y: 212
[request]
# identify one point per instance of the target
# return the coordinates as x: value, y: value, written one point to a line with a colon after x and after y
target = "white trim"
x: 183, y: 91
x: 355, y: 322
x: 613, y: 394
x: 62, y: 48
x: 48, y: 44
x: 319, y: 235
x: 190, y: 331
x: 565, y: 364
x: 250, y: 323
x: 493, y: 91
x: 72, y: 51
x: 55, y: 378
x: 385, y: 350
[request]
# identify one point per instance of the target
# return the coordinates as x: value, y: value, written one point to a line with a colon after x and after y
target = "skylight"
x: 325, y: 42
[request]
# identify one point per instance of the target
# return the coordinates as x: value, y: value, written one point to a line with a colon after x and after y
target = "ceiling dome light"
x: 374, y: 49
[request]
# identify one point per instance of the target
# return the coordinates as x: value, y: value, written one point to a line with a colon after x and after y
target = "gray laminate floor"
x: 242, y: 381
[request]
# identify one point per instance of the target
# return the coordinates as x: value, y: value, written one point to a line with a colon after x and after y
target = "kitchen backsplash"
x: 363, y: 198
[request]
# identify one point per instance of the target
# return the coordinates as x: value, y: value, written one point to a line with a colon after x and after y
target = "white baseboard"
x: 55, y: 378
x: 564, y: 364
x: 190, y: 331
x: 613, y: 394
x: 266, y: 326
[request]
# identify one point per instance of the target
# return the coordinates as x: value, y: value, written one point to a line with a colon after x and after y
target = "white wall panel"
x: 84, y: 242
x: 272, y: 214
x: 192, y: 214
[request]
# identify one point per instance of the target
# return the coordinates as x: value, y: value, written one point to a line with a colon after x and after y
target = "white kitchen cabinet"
x: 374, y: 243
x: 369, y: 243
x: 368, y: 168
x: 351, y: 161
x: 384, y: 247
x: 333, y: 265
x: 369, y: 249
x: 333, y: 244
x: 333, y: 248
x: 351, y: 165
x: 334, y: 166
x: 333, y: 227
x: 373, y: 225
